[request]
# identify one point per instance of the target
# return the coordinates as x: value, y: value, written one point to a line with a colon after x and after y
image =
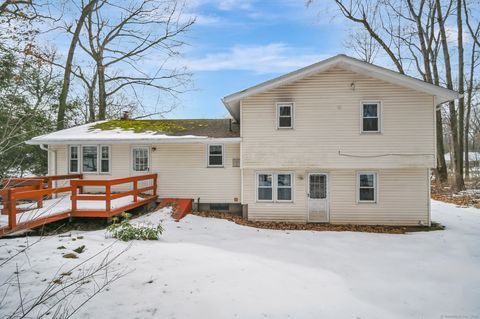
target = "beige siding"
x: 327, y: 121
x: 403, y: 198
x: 182, y: 171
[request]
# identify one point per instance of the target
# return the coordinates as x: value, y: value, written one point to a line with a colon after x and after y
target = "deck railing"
x: 31, y: 189
x: 109, y: 196
x: 16, y: 194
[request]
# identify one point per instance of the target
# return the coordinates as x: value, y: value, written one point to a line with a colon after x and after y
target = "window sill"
x: 215, y: 166
x: 284, y: 128
x: 370, y: 132
x: 366, y: 202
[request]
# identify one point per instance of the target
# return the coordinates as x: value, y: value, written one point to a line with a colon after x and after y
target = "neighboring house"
x: 340, y: 141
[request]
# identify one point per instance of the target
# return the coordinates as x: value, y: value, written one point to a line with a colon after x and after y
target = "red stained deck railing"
x: 30, y: 190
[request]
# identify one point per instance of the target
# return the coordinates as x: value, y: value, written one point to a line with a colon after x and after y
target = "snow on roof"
x: 144, y: 131
x: 472, y: 156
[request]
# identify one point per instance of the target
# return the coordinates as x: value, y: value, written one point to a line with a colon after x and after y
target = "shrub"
x: 126, y: 231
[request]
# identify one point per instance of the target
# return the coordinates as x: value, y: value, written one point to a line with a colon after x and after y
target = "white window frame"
x: 379, y: 116
x: 208, y: 156
x: 375, y: 187
x: 275, y: 186
x: 98, y: 169
x: 100, y: 159
x: 292, y: 115
x: 258, y: 186
x: 132, y: 162
x: 79, y: 159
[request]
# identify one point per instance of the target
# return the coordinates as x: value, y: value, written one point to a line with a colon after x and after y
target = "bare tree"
x: 62, y: 103
x: 120, y: 48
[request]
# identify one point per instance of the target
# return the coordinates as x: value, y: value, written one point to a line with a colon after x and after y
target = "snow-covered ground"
x: 211, y: 268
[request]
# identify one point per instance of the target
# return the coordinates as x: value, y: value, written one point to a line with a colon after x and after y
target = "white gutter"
x: 206, y: 140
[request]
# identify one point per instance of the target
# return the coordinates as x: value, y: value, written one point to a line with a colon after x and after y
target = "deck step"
x: 182, y: 206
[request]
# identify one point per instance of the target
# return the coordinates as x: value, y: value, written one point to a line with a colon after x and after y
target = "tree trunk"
x: 62, y: 103
x: 441, y: 171
x: 470, y: 85
x: 102, y: 95
x: 456, y: 152
x: 91, y: 99
x: 461, y: 104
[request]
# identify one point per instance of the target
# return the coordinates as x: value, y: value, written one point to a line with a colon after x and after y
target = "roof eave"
x: 201, y: 140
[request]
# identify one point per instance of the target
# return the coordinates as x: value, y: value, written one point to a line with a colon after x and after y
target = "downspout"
x: 45, y: 148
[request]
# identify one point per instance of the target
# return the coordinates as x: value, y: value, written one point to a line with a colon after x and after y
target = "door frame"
x: 327, y: 220
x: 131, y: 171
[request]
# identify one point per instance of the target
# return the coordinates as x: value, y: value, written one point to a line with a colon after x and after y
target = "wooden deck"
x: 52, y: 204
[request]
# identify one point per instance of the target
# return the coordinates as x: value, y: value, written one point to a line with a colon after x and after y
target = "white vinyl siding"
x: 403, y: 198
x: 327, y: 125
x: 181, y: 170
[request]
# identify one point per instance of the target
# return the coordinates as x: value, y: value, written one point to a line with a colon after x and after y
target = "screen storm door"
x: 318, y: 198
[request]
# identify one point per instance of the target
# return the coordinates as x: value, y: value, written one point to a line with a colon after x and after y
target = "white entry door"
x: 318, y: 197
x: 140, y: 163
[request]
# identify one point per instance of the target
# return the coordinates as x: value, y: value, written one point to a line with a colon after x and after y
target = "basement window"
x: 220, y: 207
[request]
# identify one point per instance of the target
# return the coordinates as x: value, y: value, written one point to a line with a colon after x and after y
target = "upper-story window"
x: 371, y: 117
x: 215, y: 155
x: 285, y: 112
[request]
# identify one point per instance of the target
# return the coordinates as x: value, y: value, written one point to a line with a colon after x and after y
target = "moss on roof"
x: 200, y: 127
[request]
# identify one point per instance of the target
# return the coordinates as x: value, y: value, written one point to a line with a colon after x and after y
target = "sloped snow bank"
x: 211, y: 268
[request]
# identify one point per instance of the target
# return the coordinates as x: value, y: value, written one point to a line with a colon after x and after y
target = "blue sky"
x: 236, y: 44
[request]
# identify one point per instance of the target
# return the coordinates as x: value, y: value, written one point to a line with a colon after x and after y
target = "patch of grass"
x: 70, y: 256
x: 126, y: 231
x: 140, y: 126
x: 80, y: 249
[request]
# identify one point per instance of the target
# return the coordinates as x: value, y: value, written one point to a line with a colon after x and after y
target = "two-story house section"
x: 340, y: 141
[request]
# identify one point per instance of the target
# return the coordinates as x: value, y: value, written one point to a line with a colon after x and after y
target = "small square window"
x: 285, y: 115
x: 371, y: 117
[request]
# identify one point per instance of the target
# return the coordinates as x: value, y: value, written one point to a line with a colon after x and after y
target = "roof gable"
x: 232, y: 101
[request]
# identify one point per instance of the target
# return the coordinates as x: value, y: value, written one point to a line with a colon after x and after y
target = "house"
x: 340, y: 141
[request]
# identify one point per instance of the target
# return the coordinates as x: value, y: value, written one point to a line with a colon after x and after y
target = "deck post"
x: 12, y: 212
x: 135, y: 188
x: 108, y: 193
x: 74, y: 196
x: 155, y: 185
x: 40, y: 198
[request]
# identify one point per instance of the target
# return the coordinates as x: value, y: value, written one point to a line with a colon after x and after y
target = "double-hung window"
x: 73, y: 158
x: 371, y: 117
x: 285, y: 115
x: 265, y: 187
x: 284, y: 187
x: 274, y: 187
x: 89, y: 159
x: 215, y: 155
x: 367, y: 187
x: 105, y: 159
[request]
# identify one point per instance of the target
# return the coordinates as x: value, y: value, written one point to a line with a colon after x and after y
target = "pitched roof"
x: 147, y: 131
x: 232, y: 101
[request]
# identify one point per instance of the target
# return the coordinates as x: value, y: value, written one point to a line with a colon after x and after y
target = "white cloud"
x: 270, y: 58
